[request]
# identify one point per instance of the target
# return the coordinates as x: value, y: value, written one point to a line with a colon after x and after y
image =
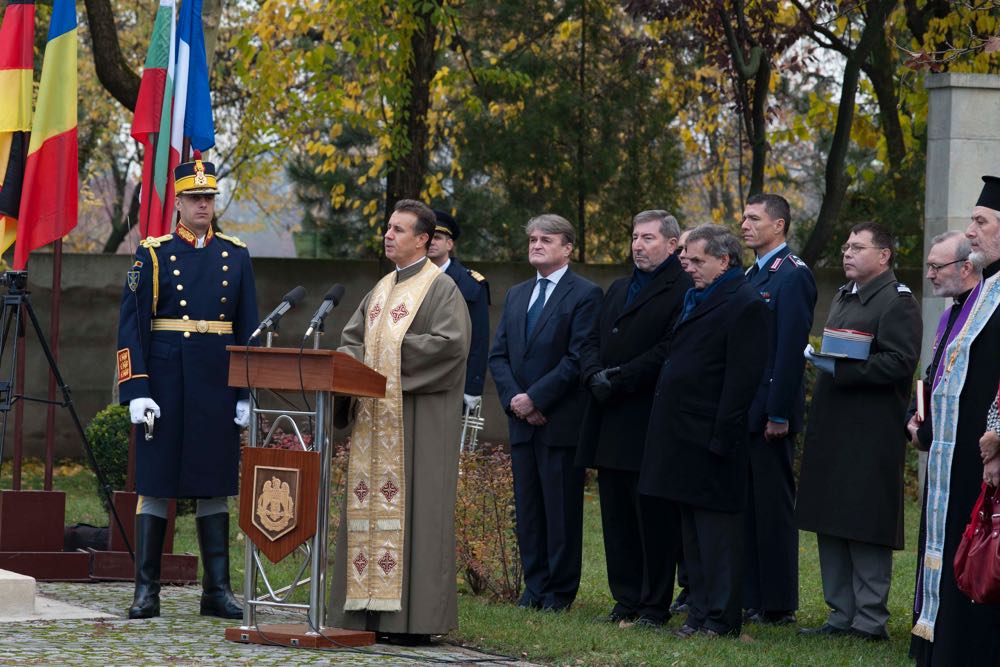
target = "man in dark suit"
x: 771, y: 578
x: 476, y: 292
x: 697, y: 440
x: 535, y: 363
x: 620, y: 364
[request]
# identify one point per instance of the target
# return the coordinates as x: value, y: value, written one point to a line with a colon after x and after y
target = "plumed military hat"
x: 196, y: 177
x: 446, y: 225
x: 990, y: 196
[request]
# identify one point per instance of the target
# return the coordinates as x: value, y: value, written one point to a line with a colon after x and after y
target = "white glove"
x: 137, y: 409
x: 822, y: 363
x: 471, y: 402
x: 242, y: 413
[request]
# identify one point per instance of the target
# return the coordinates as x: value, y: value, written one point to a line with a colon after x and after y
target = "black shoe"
x: 528, y: 603
x: 617, y: 617
x: 825, y: 629
x: 769, y: 617
x: 686, y: 631
x: 882, y: 636
x: 217, y: 597
x: 647, y: 623
x: 680, y: 605
x: 149, y: 533
x: 405, y: 639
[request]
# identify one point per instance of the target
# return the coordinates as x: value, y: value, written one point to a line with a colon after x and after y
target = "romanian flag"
x: 151, y: 124
x: 16, y: 67
x: 49, y: 199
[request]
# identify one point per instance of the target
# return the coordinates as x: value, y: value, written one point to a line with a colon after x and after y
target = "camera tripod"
x: 16, y: 302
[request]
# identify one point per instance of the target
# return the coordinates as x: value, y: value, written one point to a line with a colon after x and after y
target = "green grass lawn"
x: 580, y: 637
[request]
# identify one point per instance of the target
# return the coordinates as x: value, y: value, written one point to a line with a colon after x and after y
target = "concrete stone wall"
x: 91, y: 294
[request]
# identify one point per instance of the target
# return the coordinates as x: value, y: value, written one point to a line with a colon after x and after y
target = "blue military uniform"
x: 210, y: 290
x: 476, y: 292
x: 771, y: 574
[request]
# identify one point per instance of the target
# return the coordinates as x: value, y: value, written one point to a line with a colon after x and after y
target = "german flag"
x: 16, y: 65
x: 49, y: 199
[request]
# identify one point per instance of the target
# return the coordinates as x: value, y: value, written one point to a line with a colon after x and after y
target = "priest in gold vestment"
x: 394, y: 566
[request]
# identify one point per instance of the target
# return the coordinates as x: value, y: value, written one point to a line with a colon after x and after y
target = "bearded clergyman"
x: 394, y: 568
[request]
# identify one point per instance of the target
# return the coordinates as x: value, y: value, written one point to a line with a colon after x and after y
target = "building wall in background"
x: 91, y: 294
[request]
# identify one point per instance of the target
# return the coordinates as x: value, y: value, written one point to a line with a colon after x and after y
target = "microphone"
x: 330, y: 301
x: 287, y: 303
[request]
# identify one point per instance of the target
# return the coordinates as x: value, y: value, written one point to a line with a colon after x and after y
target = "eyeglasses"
x: 855, y: 248
x: 931, y: 266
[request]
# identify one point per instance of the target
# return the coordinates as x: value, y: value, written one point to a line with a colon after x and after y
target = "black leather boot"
x: 149, y: 533
x: 217, y: 597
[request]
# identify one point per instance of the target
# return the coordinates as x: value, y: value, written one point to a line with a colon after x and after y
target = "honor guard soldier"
x: 187, y: 296
x: 476, y: 292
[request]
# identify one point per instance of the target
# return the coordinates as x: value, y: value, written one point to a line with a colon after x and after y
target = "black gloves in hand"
x: 600, y: 383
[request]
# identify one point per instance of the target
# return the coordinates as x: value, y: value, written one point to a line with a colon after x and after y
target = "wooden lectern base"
x: 298, y: 635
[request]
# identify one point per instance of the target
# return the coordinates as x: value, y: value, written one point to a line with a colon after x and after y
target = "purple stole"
x: 963, y: 314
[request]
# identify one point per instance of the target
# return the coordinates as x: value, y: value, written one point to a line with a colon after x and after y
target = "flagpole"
x: 50, y: 417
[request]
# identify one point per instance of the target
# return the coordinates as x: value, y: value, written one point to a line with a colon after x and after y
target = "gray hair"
x: 550, y: 223
x: 962, y: 250
x: 669, y: 227
x: 719, y: 243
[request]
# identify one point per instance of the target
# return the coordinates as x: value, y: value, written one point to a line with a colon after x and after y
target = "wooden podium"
x: 285, y: 494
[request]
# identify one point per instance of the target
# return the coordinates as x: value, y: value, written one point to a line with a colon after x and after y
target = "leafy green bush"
x: 108, y: 435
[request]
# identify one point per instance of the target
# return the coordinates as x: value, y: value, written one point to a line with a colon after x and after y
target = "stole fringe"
x: 388, y: 524
x: 357, y: 525
x: 372, y: 604
x: 923, y: 630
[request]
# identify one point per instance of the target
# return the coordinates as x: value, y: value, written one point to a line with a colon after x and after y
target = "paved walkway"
x: 182, y: 637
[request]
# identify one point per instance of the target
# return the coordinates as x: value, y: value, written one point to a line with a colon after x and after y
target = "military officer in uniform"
x: 187, y: 296
x: 476, y: 292
x: 785, y: 283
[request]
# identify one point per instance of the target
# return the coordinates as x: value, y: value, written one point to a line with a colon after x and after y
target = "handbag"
x: 977, y: 560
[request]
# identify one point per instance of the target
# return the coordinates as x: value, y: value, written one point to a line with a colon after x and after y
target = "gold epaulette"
x: 477, y: 276
x: 232, y: 239
x: 155, y: 241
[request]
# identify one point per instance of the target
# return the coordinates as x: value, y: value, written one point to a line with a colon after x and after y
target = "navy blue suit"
x: 195, y: 449
x: 771, y: 577
x: 548, y: 487
x: 476, y: 292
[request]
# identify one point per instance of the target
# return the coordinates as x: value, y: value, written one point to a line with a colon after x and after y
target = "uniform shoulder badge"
x: 477, y: 276
x: 903, y: 289
x: 155, y: 241
x: 775, y: 264
x: 797, y: 261
x: 232, y: 239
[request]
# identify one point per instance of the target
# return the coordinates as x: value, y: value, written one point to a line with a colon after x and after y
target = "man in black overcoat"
x: 696, y: 443
x: 851, y: 481
x: 785, y: 283
x: 620, y: 364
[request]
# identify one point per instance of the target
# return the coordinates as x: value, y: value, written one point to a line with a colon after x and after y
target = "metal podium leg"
x: 317, y: 588
x: 249, y: 567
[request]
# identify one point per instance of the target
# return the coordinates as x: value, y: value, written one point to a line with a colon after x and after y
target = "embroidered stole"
x: 375, y: 471
x: 944, y: 407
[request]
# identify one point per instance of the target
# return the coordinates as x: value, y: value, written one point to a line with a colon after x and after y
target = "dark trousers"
x: 713, y: 554
x: 548, y: 506
x: 641, y: 543
x: 771, y: 579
